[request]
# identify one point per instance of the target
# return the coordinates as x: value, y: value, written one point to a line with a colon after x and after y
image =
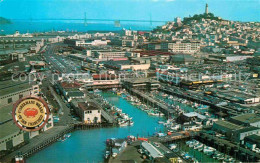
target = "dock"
x: 39, y: 142
x: 229, y: 148
x: 194, y: 99
x: 151, y: 101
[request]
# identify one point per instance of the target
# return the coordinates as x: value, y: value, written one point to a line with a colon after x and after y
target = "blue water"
x: 47, y: 26
x: 89, y: 145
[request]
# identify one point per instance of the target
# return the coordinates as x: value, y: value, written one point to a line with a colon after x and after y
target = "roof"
x: 255, y: 138
x: 183, y: 57
x: 6, y: 113
x: 37, y: 63
x: 141, y: 80
x: 194, y: 114
x: 247, y: 118
x: 8, y: 127
x: 7, y: 87
x: 151, y: 149
x: 153, y: 53
x: 229, y: 125
x: 247, y: 129
x: 75, y: 94
x: 87, y: 106
x: 70, y: 85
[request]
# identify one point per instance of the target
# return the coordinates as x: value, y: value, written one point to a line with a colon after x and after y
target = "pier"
x: 229, y: 148
x: 40, y: 142
x: 151, y: 101
x: 109, y: 118
x: 194, y: 99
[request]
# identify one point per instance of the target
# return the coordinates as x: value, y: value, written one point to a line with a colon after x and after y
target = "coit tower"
x: 206, y: 9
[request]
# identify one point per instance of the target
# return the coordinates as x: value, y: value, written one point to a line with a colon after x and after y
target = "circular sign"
x: 31, y: 113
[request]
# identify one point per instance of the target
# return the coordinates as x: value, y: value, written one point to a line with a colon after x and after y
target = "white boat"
x: 200, y: 145
x: 107, y: 154
x: 160, y: 122
x: 172, y: 146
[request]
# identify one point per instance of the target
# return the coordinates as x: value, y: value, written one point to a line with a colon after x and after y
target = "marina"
x: 94, y: 139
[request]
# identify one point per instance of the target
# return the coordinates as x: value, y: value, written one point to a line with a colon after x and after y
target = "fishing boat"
x: 160, y: 122
x: 107, y: 154
x: 209, y: 150
x: 200, y: 145
x: 172, y: 146
x: 97, y: 91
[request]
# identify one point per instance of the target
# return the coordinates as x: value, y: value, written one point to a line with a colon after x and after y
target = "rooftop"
x: 7, y: 87
x: 66, y: 84
x: 247, y: 129
x: 247, y: 118
x: 229, y: 125
x: 87, y: 106
x: 151, y: 149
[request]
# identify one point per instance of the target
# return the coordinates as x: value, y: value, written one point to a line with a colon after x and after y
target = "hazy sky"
x: 243, y: 10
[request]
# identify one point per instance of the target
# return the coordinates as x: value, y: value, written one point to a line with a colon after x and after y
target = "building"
x: 240, y: 134
x: 252, y: 141
x: 125, y: 65
x: 12, y: 137
x: 251, y: 119
x: 142, y: 84
x: 37, y: 65
x: 234, y: 132
x: 108, y: 55
x: 188, y: 47
x: 150, y: 150
x: 226, y: 128
x: 89, y: 112
x: 11, y: 91
x: 70, y: 90
x: 226, y: 58
x: 182, y: 59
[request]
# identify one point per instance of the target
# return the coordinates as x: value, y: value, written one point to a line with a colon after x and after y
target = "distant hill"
x: 4, y: 21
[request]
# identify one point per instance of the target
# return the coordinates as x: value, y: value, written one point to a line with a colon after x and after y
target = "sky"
x: 238, y: 10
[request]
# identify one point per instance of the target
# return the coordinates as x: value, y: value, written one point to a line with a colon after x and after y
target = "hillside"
x: 4, y: 21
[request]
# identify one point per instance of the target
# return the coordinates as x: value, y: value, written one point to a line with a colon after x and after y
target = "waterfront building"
x: 70, y: 90
x: 251, y: 119
x: 89, y: 112
x: 150, y: 150
x: 252, y: 141
x: 11, y: 91
x: 233, y: 131
x: 142, y: 84
x: 240, y: 134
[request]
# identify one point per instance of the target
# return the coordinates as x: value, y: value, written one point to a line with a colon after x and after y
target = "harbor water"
x: 89, y: 145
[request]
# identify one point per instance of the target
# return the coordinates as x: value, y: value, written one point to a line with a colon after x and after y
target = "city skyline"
x: 141, y: 10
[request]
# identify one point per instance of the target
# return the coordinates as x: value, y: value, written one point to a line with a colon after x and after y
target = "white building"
x: 89, y: 112
x: 181, y: 47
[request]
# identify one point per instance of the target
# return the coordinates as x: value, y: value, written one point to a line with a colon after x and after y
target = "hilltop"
x: 4, y: 21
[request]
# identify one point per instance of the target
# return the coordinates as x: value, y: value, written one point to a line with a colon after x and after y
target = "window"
x: 10, y: 100
x: 21, y: 96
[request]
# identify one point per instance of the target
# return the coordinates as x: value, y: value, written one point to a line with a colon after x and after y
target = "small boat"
x: 160, y: 122
x: 107, y: 154
x: 172, y: 146
x: 200, y: 145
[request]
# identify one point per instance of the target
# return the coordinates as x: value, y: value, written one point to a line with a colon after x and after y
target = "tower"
x: 206, y: 9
